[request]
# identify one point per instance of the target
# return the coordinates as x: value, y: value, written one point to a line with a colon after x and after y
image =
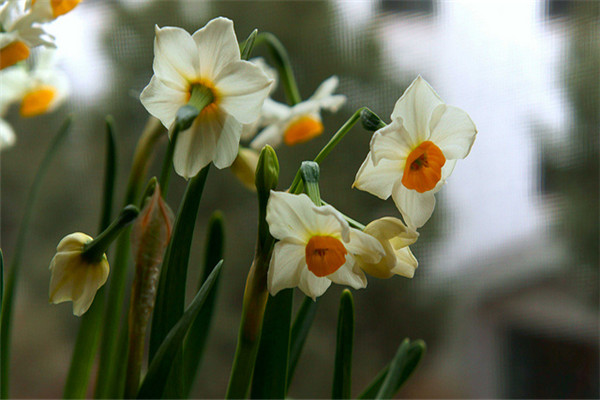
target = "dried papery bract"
x: 150, y: 236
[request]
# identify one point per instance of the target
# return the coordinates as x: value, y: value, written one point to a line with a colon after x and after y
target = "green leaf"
x: 195, y: 341
x: 1, y: 277
x: 13, y: 272
x: 342, y: 372
x: 158, y: 371
x: 270, y: 370
x: 391, y: 378
x: 88, y: 335
x: 170, y: 297
x: 300, y: 328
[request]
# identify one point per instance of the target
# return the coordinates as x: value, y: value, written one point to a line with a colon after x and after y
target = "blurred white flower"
x: 316, y: 246
x: 19, y: 34
x: 40, y: 90
x: 211, y: 58
x: 74, y: 278
x: 301, y: 122
x: 7, y: 135
x: 411, y: 158
x: 48, y: 10
x: 395, y: 237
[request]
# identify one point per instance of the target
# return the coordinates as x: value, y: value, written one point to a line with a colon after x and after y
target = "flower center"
x: 13, y: 53
x: 423, y: 169
x: 324, y: 255
x: 302, y: 129
x: 38, y: 101
x: 201, y: 92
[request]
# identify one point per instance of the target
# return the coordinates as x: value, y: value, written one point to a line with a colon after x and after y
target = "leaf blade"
x: 342, y: 373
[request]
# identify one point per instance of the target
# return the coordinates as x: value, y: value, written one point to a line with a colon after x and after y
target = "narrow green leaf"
x: 170, y: 297
x: 195, y: 341
x: 13, y: 272
x: 1, y: 278
x: 88, y: 335
x: 158, y: 371
x: 389, y: 384
x: 342, y: 372
x: 413, y: 357
x: 270, y: 370
x: 300, y: 328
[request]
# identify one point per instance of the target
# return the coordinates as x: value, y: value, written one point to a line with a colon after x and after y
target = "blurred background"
x: 507, y: 290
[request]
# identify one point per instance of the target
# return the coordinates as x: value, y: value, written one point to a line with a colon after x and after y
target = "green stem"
x: 94, y: 251
x: 284, y: 66
x: 296, y: 186
x: 13, y: 273
x: 89, y: 329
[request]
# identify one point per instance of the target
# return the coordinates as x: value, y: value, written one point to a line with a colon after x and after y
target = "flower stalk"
x: 255, y: 292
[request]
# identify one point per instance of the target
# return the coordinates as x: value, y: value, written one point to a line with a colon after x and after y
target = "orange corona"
x: 423, y: 169
x: 13, y: 53
x: 324, y: 255
x: 38, y: 101
x: 302, y: 130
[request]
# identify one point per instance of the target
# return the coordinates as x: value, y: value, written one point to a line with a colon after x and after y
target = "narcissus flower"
x: 411, y: 158
x: 299, y: 123
x: 316, y: 246
x: 39, y: 91
x: 73, y: 277
x: 47, y: 10
x: 244, y: 167
x: 210, y: 58
x: 19, y: 33
x: 395, y: 237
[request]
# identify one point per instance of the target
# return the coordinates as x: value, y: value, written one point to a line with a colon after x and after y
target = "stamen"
x: 302, y: 130
x: 38, y: 101
x: 13, y: 53
x: 324, y: 255
x: 423, y: 168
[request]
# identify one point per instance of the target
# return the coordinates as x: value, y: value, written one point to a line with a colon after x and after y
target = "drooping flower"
x: 20, y: 33
x: 40, y: 90
x: 7, y: 135
x: 316, y: 246
x: 301, y: 122
x: 411, y: 158
x: 395, y: 237
x: 73, y: 277
x: 209, y: 58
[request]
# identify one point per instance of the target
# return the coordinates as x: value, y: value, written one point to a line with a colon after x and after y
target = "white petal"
x: 175, y: 57
x: 217, y: 46
x: 196, y: 147
x: 271, y: 135
x: 286, y: 265
x: 392, y: 142
x: 162, y: 101
x: 275, y: 111
x: 392, y: 229
x: 326, y: 88
x: 365, y: 246
x: 7, y: 135
x: 348, y: 275
x: 453, y: 131
x: 416, y: 208
x: 229, y: 142
x: 244, y: 88
x: 415, y: 107
x: 332, y: 103
x: 378, y: 180
x: 406, y: 263
x: 290, y: 217
x: 330, y: 222
x: 312, y: 285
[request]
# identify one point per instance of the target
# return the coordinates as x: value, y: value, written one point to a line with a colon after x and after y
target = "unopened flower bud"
x: 267, y: 172
x: 371, y: 121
